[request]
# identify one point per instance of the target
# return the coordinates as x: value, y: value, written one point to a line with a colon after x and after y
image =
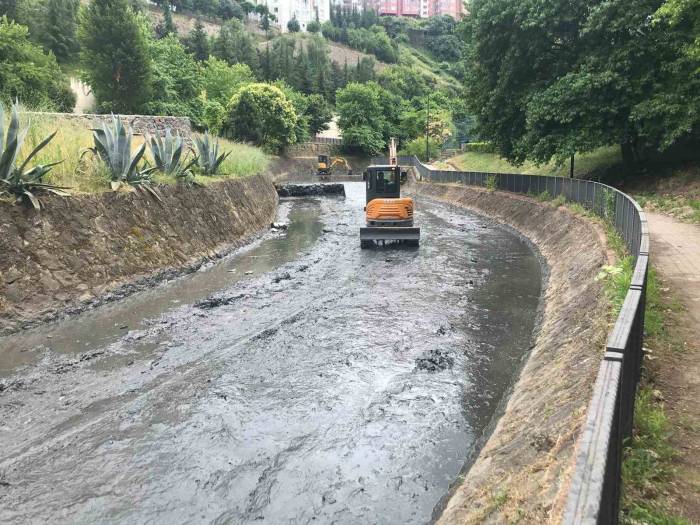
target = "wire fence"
x: 594, y: 494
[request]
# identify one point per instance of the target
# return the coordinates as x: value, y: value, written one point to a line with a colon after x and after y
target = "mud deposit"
x: 299, y: 380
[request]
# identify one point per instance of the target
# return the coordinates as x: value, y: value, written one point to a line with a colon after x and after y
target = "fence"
x: 326, y: 140
x: 594, y: 493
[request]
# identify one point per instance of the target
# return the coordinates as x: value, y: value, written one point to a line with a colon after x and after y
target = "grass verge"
x: 647, y: 468
x: 87, y: 174
x: 585, y: 164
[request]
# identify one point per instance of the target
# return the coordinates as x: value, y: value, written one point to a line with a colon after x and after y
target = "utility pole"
x: 427, y: 130
x: 571, y: 167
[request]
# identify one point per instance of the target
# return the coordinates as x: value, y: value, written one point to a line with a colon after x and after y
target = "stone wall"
x: 140, y: 124
x: 522, y: 472
x: 80, y: 251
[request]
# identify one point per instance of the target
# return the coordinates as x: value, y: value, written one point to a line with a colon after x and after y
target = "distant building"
x: 417, y: 8
x: 304, y: 11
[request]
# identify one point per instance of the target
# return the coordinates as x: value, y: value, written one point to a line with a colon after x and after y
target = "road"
x: 300, y: 380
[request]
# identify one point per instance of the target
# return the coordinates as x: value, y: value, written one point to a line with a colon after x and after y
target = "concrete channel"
x: 300, y: 379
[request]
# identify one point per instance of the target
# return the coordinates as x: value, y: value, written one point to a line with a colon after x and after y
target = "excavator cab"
x: 324, y: 165
x: 389, y: 217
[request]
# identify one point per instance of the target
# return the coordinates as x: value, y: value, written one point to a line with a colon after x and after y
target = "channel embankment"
x: 80, y: 251
x: 522, y: 472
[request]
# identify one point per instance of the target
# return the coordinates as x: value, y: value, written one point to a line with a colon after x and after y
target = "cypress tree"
x: 114, y: 55
x: 61, y: 25
x: 198, y: 42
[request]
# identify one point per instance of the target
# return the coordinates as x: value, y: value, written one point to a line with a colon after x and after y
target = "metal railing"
x: 326, y: 140
x: 594, y: 494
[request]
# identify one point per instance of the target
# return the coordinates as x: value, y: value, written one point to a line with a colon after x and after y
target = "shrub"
x: 14, y: 180
x: 313, y: 27
x: 262, y: 114
x: 293, y: 26
x: 480, y: 147
x: 28, y: 74
x: 417, y: 147
x: 491, y: 183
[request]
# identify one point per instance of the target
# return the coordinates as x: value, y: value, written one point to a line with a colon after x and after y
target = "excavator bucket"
x: 389, y: 233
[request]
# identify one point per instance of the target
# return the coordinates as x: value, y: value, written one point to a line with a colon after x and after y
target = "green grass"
x: 683, y: 207
x: 422, y: 62
x: 585, y: 164
x: 89, y: 175
x: 647, y: 468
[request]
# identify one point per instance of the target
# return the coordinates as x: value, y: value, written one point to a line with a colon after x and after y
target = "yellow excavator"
x: 389, y: 216
x: 326, y: 165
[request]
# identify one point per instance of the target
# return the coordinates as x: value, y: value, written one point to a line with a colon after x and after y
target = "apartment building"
x: 417, y: 8
x: 303, y: 10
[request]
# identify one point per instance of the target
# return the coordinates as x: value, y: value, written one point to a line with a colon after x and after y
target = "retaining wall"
x: 596, y: 482
x: 81, y: 250
x: 521, y: 473
x: 142, y: 124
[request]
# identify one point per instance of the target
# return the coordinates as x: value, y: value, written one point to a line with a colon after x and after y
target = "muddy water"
x: 332, y: 384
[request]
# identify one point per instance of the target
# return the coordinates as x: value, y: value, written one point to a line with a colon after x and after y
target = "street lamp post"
x: 427, y: 130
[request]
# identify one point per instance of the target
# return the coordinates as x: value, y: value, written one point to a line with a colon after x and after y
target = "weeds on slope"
x: 647, y: 468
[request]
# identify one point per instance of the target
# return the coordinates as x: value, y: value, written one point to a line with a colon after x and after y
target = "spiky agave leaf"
x: 113, y: 146
x: 208, y: 157
x: 14, y: 180
x: 168, y: 153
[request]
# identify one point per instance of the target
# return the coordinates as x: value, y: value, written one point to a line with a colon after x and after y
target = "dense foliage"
x: 263, y: 115
x: 560, y: 77
x: 114, y: 55
x: 28, y: 73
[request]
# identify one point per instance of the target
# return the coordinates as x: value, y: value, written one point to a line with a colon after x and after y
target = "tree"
x: 176, y: 80
x: 114, y: 55
x: 221, y: 80
x: 8, y: 8
x: 235, y: 45
x: 198, y: 42
x: 59, y: 34
x: 29, y: 74
x: 361, y: 117
x: 167, y: 26
x: 319, y: 113
x: 552, y: 78
x: 293, y: 25
x: 262, y: 114
x: 231, y: 9
x: 313, y: 27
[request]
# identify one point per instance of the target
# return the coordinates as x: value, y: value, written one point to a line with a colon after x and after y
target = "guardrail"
x: 326, y: 140
x: 594, y: 493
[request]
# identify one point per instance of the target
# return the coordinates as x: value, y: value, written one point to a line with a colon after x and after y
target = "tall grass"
x: 584, y: 163
x: 89, y: 175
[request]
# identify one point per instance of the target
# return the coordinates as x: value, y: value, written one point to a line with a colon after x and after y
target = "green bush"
x: 417, y: 147
x: 480, y: 147
x: 29, y: 74
x: 262, y: 114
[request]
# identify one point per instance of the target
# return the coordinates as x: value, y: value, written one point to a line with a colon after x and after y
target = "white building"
x: 304, y: 11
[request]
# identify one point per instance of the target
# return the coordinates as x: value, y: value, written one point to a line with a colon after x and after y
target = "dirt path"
x: 675, y: 250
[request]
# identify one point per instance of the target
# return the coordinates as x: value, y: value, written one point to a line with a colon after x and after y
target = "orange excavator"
x: 389, y: 216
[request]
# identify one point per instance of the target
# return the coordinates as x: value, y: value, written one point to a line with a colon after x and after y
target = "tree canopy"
x: 28, y: 73
x: 547, y: 79
x: 114, y: 55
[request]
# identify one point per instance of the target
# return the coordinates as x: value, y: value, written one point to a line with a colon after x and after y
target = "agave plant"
x: 113, y: 147
x: 208, y: 158
x: 14, y: 180
x: 168, y: 156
